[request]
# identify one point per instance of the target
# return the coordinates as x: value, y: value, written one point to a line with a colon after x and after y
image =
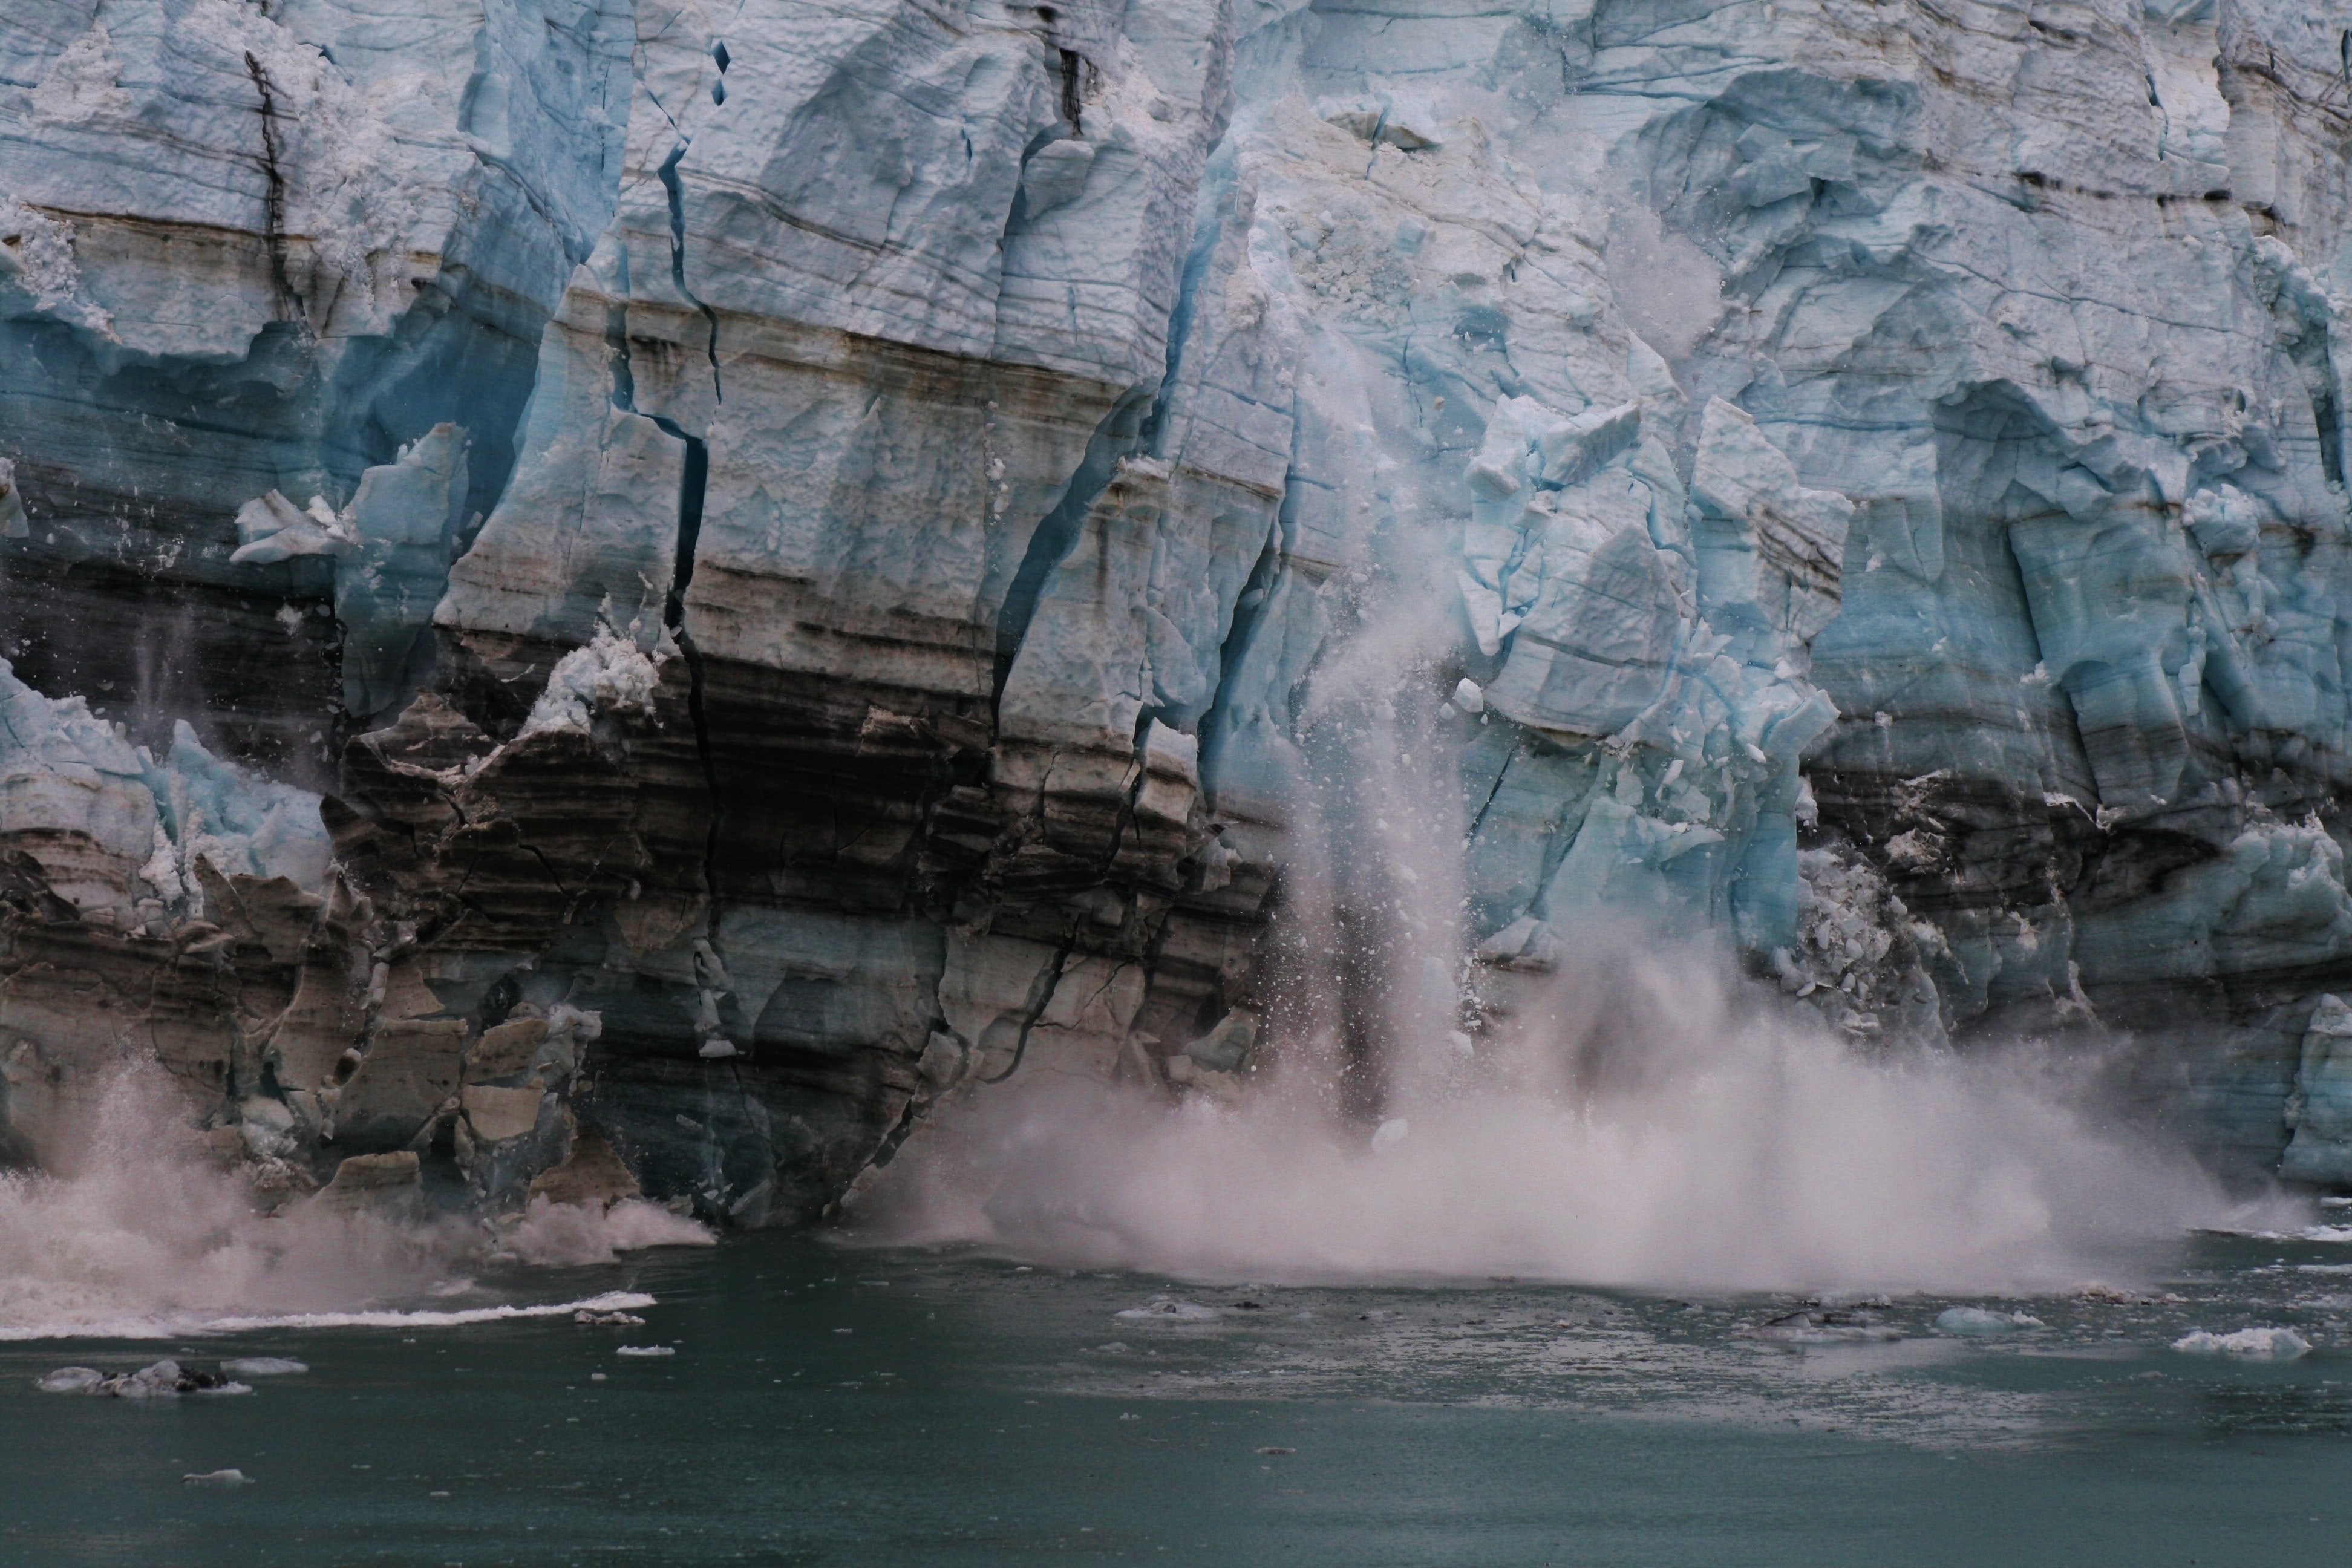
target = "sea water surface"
x: 824, y: 1405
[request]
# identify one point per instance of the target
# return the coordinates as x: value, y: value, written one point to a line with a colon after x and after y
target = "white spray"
x: 1641, y: 1118
x: 141, y: 1233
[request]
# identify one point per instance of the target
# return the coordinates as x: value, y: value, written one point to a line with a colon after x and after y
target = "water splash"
x: 141, y: 1232
x: 1649, y: 1122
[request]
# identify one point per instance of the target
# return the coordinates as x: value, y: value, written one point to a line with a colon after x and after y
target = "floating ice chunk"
x: 646, y: 1350
x: 70, y: 1380
x: 1834, y: 1326
x: 1841, y: 1299
x: 264, y: 1366
x: 158, y: 1380
x: 1167, y: 1309
x: 1975, y: 1322
x: 218, y: 1480
x: 2276, y: 1344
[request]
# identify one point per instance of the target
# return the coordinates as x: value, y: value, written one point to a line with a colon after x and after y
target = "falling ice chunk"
x: 1391, y: 1134
x: 1469, y: 695
x: 716, y: 1049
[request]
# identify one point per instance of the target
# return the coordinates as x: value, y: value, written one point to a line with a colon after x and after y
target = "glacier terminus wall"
x: 605, y: 594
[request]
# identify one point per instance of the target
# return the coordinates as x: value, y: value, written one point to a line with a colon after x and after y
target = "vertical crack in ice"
x: 693, y: 488
x: 1138, y: 421
x: 676, y: 189
x: 273, y: 201
x: 1072, y: 67
x: 1041, y: 997
x: 1206, y: 230
x: 1116, y: 437
x: 1249, y: 606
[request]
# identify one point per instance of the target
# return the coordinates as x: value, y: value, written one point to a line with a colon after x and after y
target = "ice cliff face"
x: 814, y: 557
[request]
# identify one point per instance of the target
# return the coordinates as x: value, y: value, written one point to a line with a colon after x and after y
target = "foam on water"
x: 422, y: 1318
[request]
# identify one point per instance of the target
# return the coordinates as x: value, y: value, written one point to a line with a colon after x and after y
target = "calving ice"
x: 1182, y: 550
x: 1469, y: 661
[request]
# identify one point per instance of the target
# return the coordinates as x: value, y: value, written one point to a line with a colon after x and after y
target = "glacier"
x: 704, y: 578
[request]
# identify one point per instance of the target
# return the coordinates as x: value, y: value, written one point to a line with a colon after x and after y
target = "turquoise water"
x: 829, y: 1407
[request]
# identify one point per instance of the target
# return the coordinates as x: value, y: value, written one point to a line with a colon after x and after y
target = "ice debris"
x: 218, y: 1480
x: 1810, y: 1326
x: 1976, y: 1322
x: 2269, y: 1343
x: 1167, y: 1308
x: 160, y: 1380
x: 264, y: 1366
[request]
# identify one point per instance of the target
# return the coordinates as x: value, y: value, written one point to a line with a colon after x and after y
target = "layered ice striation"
x: 814, y: 560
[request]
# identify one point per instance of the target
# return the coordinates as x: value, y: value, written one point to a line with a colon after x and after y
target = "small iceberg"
x: 1167, y: 1310
x: 1807, y: 1326
x: 218, y: 1480
x: 162, y: 1379
x: 70, y: 1380
x: 1975, y: 1322
x: 264, y: 1366
x: 2269, y: 1343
